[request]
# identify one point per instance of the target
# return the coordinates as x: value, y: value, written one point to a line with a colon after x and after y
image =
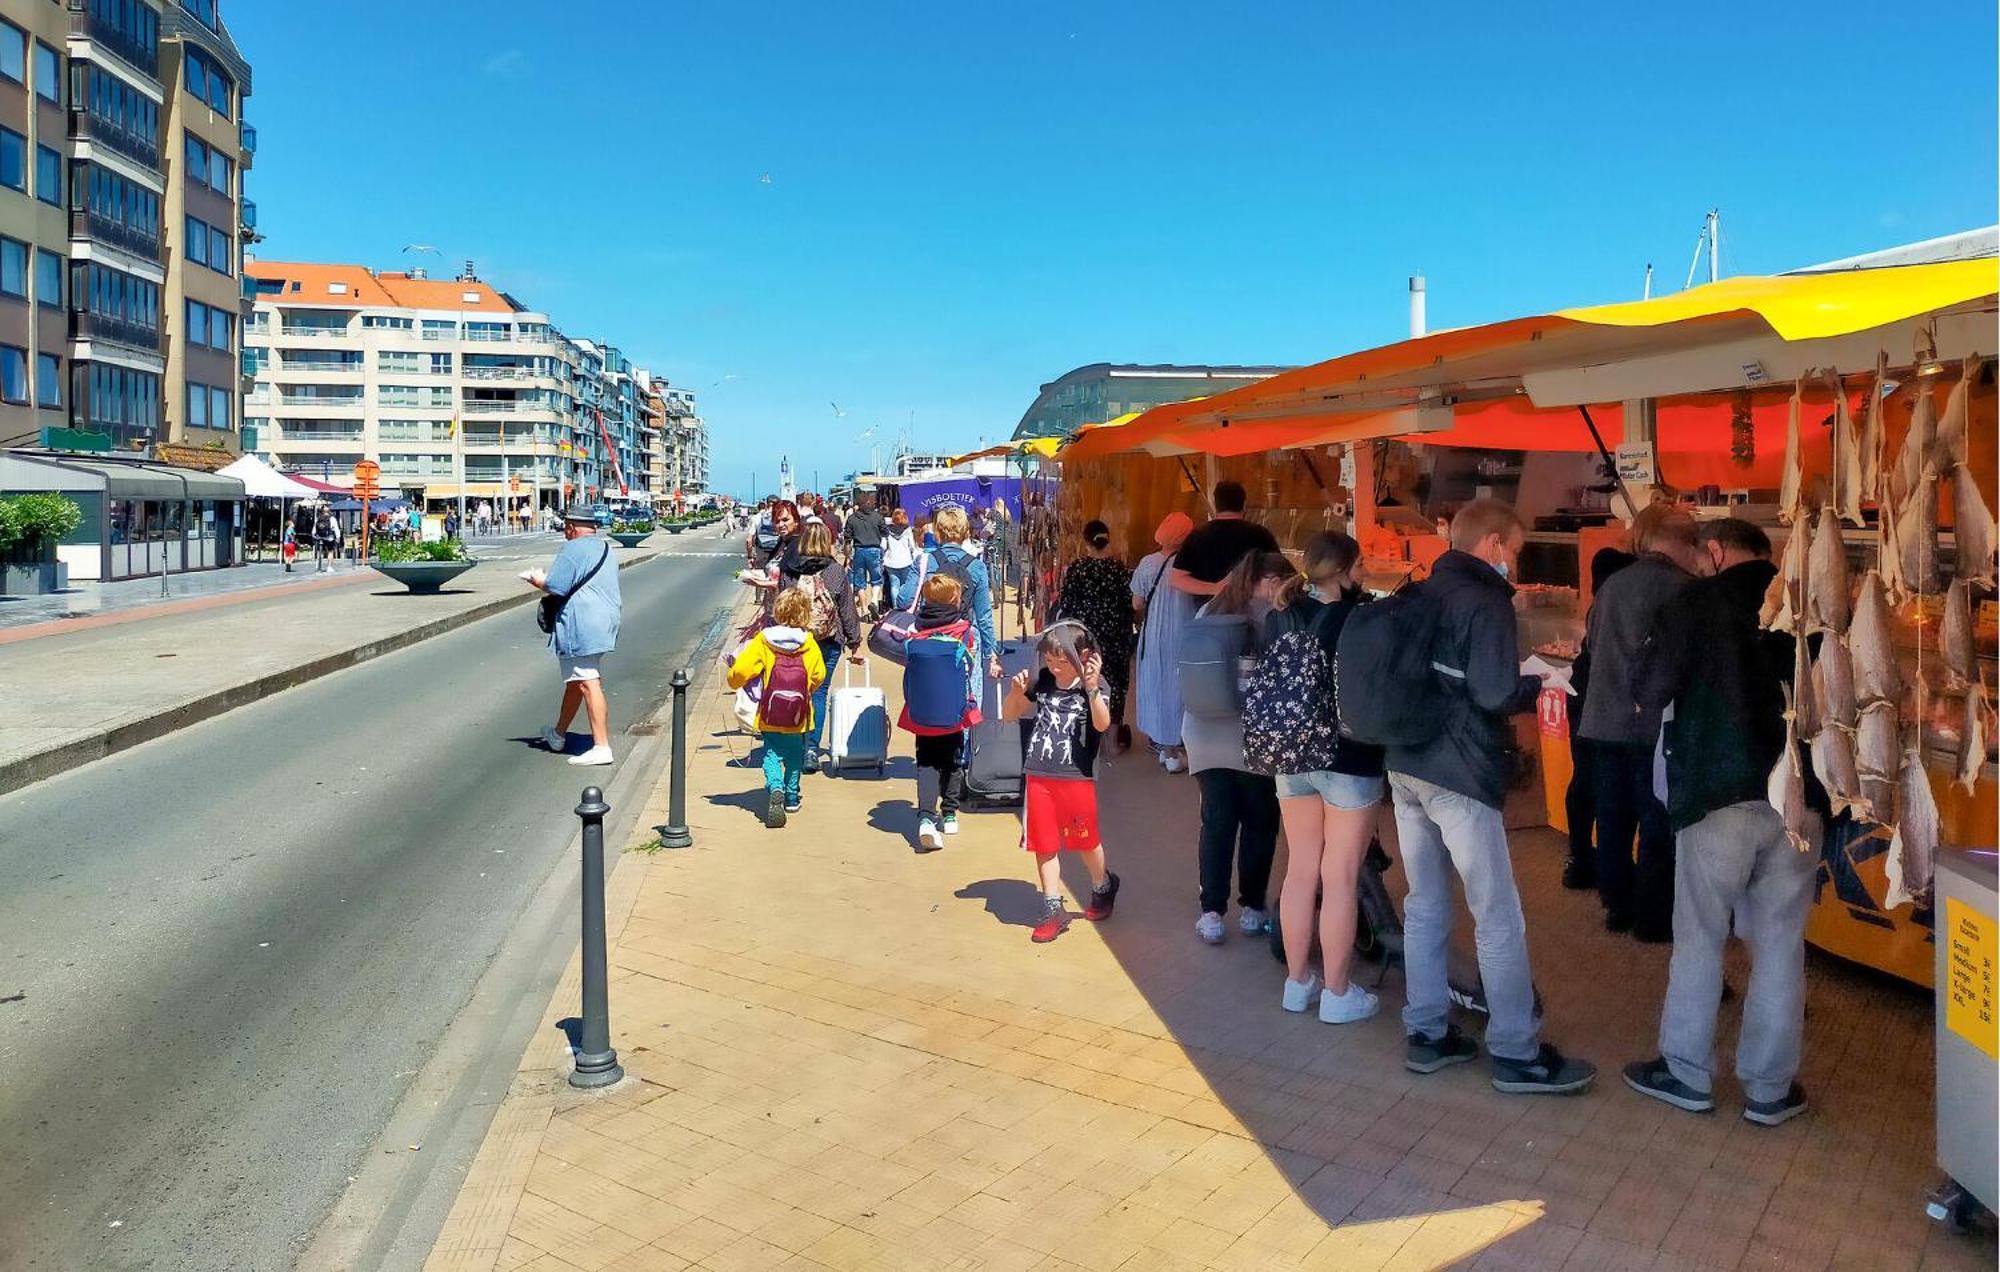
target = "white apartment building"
x: 451, y: 386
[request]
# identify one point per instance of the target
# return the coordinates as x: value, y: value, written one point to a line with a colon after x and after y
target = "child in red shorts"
x: 1072, y: 712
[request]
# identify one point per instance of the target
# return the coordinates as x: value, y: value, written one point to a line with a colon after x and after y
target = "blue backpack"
x: 937, y: 673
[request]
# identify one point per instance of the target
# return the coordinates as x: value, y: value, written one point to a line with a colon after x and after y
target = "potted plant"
x: 423, y: 567
x: 30, y: 526
x: 630, y: 534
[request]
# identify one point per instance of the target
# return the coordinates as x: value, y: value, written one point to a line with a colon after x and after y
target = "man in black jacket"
x: 1448, y: 795
x: 1724, y: 677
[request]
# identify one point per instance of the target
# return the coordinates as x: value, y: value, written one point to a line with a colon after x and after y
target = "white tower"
x: 786, y: 490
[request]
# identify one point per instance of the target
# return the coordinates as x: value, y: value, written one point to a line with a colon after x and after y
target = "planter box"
x: 631, y: 540
x: 33, y: 578
x: 675, y: 529
x: 423, y: 577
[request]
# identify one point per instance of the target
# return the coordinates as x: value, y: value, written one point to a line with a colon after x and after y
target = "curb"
x: 15, y: 774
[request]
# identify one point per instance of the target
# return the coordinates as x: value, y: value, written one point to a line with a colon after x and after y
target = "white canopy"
x: 261, y: 481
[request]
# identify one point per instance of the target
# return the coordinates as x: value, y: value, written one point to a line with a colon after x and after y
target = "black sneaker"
x: 792, y: 803
x: 1549, y: 1073
x: 774, y: 810
x: 1653, y: 933
x: 1616, y: 922
x: 1773, y: 1112
x: 1428, y: 1055
x: 1580, y: 874
x: 1652, y: 1077
x: 1102, y: 899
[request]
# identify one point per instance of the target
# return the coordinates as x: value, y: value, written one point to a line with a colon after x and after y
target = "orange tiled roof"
x: 364, y: 289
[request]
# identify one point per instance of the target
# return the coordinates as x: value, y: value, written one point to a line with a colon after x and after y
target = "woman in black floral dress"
x: 1097, y: 592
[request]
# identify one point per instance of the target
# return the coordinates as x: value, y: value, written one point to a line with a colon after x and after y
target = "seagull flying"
x: 837, y: 412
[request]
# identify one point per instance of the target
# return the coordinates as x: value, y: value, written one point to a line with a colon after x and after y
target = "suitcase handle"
x: 847, y: 674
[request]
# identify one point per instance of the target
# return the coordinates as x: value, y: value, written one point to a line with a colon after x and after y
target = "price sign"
x: 365, y: 471
x: 1971, y: 948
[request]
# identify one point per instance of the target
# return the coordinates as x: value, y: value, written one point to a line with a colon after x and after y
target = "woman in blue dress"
x: 1163, y: 610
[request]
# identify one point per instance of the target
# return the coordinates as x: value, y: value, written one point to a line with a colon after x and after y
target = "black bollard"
x: 675, y: 833
x: 596, y: 1063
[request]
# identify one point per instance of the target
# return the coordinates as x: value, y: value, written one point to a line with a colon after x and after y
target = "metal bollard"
x: 596, y: 1063
x: 675, y: 833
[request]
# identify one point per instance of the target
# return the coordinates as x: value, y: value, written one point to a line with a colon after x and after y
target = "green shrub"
x: 32, y: 518
x: 403, y: 551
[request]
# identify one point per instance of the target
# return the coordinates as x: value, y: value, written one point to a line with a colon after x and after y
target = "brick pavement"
x: 843, y: 1054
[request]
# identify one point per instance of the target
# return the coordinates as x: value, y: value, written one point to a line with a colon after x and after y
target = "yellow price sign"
x: 1972, y: 946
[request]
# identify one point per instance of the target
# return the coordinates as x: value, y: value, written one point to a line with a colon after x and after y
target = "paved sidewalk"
x: 843, y: 1054
x: 98, y: 688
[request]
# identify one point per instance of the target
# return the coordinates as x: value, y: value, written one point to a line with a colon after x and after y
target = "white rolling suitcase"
x: 857, y: 723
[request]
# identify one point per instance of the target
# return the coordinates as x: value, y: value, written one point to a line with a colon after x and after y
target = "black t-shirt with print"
x: 1063, y: 742
x: 1212, y: 551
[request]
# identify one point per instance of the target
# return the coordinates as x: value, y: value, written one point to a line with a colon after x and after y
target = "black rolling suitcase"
x: 996, y: 749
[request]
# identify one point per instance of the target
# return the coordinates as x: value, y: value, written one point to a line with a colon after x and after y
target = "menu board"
x: 1972, y: 945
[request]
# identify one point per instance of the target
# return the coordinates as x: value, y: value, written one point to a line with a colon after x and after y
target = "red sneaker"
x: 1055, y: 921
x: 1100, y: 905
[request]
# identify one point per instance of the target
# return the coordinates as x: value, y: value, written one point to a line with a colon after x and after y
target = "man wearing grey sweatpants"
x: 1734, y: 860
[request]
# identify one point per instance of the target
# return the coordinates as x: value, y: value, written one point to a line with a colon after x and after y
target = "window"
x: 197, y: 405
x: 218, y: 408
x: 48, y: 379
x: 197, y: 241
x: 219, y: 170
x: 384, y: 320
x: 197, y: 322
x: 221, y: 329
x: 48, y: 175
x: 393, y: 360
x: 49, y: 279
x: 13, y: 160
x: 13, y: 374
x: 207, y: 82
x: 13, y: 268
x: 218, y: 251
x: 48, y: 72
x: 13, y: 52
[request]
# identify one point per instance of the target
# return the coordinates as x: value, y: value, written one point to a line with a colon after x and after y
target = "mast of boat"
x: 1711, y: 239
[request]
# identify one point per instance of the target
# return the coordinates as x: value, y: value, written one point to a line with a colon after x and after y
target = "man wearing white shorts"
x: 585, y: 576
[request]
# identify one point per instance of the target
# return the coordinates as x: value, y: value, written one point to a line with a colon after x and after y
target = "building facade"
x: 1104, y: 391
x: 97, y: 103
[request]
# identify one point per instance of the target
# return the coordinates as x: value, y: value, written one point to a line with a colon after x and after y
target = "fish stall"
x: 1851, y: 412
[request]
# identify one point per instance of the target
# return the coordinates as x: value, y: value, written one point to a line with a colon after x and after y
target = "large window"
x: 121, y: 116
x: 209, y: 326
x: 48, y: 279
x: 122, y: 211
x: 13, y: 52
x: 48, y: 175
x: 385, y: 320
x: 208, y: 82
x: 219, y: 256
x: 208, y: 167
x: 13, y: 160
x: 197, y: 405
x: 130, y: 27
x: 121, y: 305
x: 14, y: 374
x: 219, y: 408
x: 120, y: 401
x: 48, y: 72
x: 48, y: 379
x: 13, y: 268
x: 207, y: 245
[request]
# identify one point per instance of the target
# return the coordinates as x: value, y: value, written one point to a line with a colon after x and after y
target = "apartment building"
x: 686, y: 441
x: 452, y: 386
x: 208, y: 147
x: 102, y: 104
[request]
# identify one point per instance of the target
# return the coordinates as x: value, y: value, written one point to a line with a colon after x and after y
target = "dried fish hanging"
x: 1948, y: 447
x: 1784, y: 599
x: 1972, y: 530
x: 1786, y: 787
x: 1972, y: 735
x: 1846, y: 476
x: 1828, y: 596
x: 1872, y: 432
x: 1791, y: 488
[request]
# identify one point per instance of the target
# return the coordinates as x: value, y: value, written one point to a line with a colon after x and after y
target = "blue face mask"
x: 1500, y: 568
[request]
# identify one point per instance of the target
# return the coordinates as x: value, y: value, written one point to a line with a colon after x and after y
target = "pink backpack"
x: 787, y: 695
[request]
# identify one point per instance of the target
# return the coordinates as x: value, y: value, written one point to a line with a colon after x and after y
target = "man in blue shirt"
x: 587, y: 629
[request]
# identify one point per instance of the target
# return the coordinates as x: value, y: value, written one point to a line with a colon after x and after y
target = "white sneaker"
x: 1299, y: 994
x: 596, y: 756
x: 929, y: 837
x: 1173, y: 764
x: 950, y: 824
x: 1209, y: 927
x: 1345, y: 1009
x: 554, y: 738
x: 1252, y: 922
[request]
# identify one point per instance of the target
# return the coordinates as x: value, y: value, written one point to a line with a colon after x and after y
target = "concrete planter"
x: 675, y: 529
x: 630, y: 540
x: 36, y: 578
x: 423, y: 578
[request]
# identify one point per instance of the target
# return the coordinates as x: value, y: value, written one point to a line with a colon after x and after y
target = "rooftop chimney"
x: 1416, y: 305
x: 417, y: 273
x: 468, y: 276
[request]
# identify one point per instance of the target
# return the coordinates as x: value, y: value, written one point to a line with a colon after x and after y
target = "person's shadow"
x: 753, y: 801
x: 1015, y: 902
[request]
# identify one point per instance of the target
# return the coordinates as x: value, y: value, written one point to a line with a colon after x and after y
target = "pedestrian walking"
x: 786, y: 659
x: 288, y: 547
x: 953, y: 557
x: 1624, y: 734
x: 1735, y: 867
x: 864, y: 532
x: 1097, y: 591
x: 1239, y: 808
x: 940, y: 702
x: 451, y: 523
x: 583, y: 578
x: 1071, y: 709
x: 1161, y: 612
x: 834, y: 622
x: 1329, y: 803
x: 899, y: 561
x: 1448, y: 790
x: 326, y: 539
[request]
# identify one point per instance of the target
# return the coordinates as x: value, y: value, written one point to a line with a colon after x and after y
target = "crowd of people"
x: 1301, y: 704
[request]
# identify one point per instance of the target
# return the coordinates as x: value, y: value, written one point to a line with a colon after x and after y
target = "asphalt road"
x: 238, y: 944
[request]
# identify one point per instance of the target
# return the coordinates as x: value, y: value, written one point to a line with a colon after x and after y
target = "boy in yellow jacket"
x: 786, y: 658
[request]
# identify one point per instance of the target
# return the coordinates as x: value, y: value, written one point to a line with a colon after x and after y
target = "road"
x: 239, y: 943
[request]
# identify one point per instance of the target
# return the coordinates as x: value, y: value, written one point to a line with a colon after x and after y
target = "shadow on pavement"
x: 1015, y: 902
x: 752, y: 801
x: 894, y: 817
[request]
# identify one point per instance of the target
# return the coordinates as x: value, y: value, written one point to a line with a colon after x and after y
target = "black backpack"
x: 1387, y: 681
x: 958, y: 567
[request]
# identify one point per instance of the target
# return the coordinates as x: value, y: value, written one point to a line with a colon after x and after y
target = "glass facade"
x: 1100, y: 392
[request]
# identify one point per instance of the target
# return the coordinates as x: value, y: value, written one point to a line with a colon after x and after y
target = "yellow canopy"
x: 1705, y: 339
x: 1046, y: 447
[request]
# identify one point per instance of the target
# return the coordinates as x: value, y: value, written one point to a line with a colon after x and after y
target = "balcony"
x: 501, y: 373
x: 86, y: 325
x: 283, y: 432
x: 85, y: 224
x: 83, y: 22
x: 138, y: 147
x: 292, y: 332
x: 246, y: 135
x: 321, y: 400
x: 249, y: 214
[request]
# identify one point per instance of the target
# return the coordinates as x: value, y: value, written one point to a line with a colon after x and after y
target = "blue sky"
x: 964, y: 202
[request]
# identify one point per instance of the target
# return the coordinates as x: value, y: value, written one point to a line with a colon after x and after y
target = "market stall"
x: 1754, y: 396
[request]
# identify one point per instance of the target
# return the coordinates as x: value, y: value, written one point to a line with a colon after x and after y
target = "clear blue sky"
x: 966, y: 201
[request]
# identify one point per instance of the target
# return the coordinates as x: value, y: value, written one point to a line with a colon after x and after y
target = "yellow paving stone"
x: 696, y: 1239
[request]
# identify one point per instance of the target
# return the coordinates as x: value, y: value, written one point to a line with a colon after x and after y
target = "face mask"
x: 1501, y: 568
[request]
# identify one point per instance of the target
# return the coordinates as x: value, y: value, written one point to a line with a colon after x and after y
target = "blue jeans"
x: 866, y: 569
x: 784, y: 761
x: 831, y: 653
x: 902, y: 584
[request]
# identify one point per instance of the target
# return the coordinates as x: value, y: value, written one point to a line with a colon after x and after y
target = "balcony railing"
x: 247, y: 138
x: 138, y: 147
x: 317, y: 434
x: 315, y: 399
x: 84, y: 223
x: 314, y: 333
x: 503, y: 373
x: 86, y: 325
x: 249, y: 212
x: 85, y: 23
x: 492, y: 408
